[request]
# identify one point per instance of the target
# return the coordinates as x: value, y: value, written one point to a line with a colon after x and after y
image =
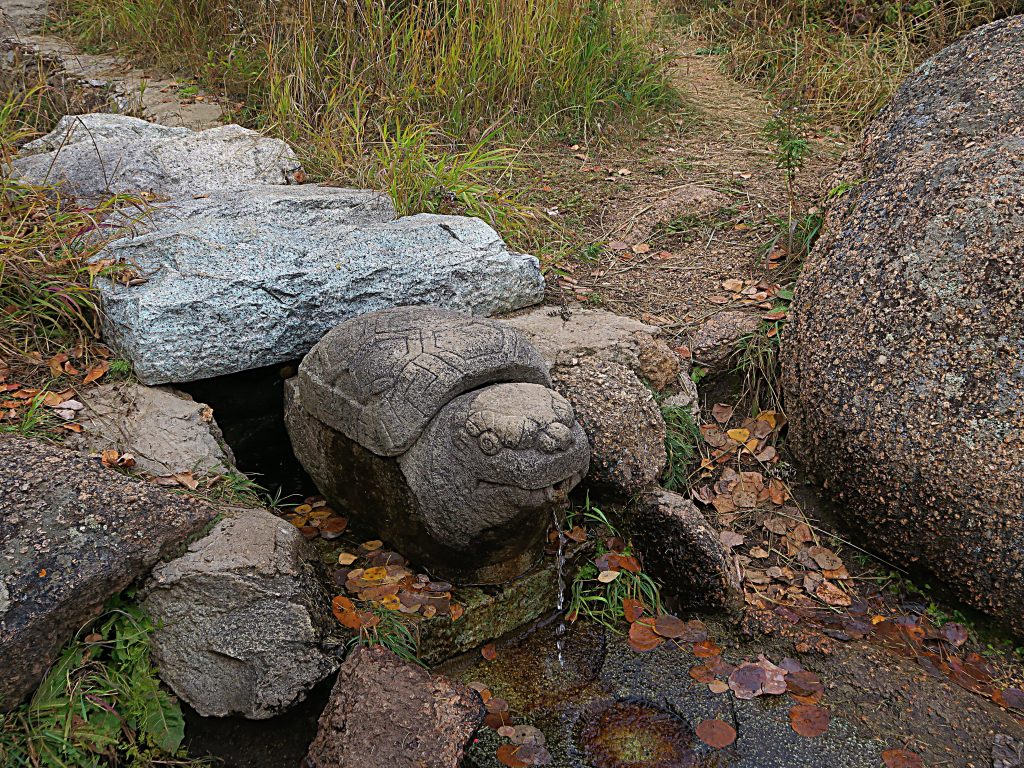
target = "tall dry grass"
x: 422, y: 97
x: 841, y: 59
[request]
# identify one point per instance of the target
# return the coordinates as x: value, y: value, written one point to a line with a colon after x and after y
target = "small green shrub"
x: 100, y: 705
x: 682, y: 446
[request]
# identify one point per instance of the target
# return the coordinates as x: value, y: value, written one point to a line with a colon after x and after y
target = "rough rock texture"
x: 388, y: 713
x: 903, y: 360
x: 72, y: 534
x: 165, y: 430
x: 622, y: 421
x: 380, y: 378
x: 97, y: 154
x: 682, y: 551
x: 715, y: 342
x: 688, y: 397
x: 236, y: 282
x: 241, y: 616
x: 563, y: 336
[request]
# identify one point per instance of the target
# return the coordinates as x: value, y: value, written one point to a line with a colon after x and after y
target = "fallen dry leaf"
x: 902, y: 758
x: 716, y: 733
x: 809, y: 720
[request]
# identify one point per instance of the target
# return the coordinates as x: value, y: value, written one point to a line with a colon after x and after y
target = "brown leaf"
x: 805, y: 686
x: 344, y: 611
x: 722, y: 412
x: 776, y: 525
x: 716, y: 733
x: 809, y: 720
x: 1010, y: 698
x: 96, y: 372
x: 333, y: 527
x: 901, y: 758
x: 706, y: 649
x: 953, y: 633
x: 489, y: 652
x: 826, y: 559
x: 670, y: 626
x: 730, y: 538
x: 642, y: 637
x: 832, y: 594
x: 577, y: 533
x: 633, y: 609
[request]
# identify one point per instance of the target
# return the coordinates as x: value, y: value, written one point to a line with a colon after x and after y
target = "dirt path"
x: 93, y: 82
x: 690, y: 206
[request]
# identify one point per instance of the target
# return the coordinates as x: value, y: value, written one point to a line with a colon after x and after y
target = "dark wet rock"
x: 681, y: 549
x: 165, y: 430
x: 241, y: 617
x: 72, y: 534
x: 622, y: 421
x: 715, y: 342
x: 564, y: 336
x: 902, y: 364
x: 388, y: 713
x: 437, y: 430
x: 1007, y: 752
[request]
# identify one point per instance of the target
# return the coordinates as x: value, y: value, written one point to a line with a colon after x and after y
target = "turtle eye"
x: 489, y: 443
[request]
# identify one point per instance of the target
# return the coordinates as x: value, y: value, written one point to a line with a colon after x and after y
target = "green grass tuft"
x: 682, y: 445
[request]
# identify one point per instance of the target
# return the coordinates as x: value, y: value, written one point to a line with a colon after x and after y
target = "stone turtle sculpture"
x: 439, y: 431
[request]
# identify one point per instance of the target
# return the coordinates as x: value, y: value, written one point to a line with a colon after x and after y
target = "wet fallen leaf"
x: 805, y: 686
x: 497, y: 720
x: 902, y: 758
x: 953, y: 633
x: 669, y: 626
x: 346, y: 558
x: 831, y: 594
x: 1010, y: 698
x: 642, y: 637
x: 375, y: 574
x: 632, y: 608
x: 718, y: 687
x: 809, y: 720
x: 344, y: 611
x: 508, y: 755
x: 577, y: 533
x: 716, y: 733
x: 333, y: 527
x: 489, y: 652
x: 706, y: 649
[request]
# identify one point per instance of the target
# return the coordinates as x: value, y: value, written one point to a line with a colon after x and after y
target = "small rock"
x: 1007, y: 752
x: 241, y: 616
x: 687, y: 397
x: 73, y: 534
x: 622, y: 421
x: 98, y: 154
x: 165, y: 430
x: 715, y: 342
x: 564, y: 336
x: 683, y: 551
x: 388, y: 713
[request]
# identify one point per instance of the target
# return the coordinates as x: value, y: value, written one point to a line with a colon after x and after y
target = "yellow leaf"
x: 739, y: 435
x: 303, y: 509
x: 375, y: 574
x: 391, y: 602
x: 767, y: 416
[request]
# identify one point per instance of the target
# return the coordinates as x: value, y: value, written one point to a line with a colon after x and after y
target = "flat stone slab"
x: 72, y: 534
x: 234, y: 282
x: 165, y: 430
x: 98, y: 154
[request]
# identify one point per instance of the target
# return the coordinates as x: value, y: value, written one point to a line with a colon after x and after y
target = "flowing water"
x: 560, y: 602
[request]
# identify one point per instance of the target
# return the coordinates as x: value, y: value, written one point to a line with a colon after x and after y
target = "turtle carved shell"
x: 381, y: 377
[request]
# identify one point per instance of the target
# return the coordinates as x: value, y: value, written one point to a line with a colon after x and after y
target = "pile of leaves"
x: 101, y: 704
x: 315, y: 519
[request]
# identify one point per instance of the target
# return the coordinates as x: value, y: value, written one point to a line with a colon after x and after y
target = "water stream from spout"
x: 560, y: 602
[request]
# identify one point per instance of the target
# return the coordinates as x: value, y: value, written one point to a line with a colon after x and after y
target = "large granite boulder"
x: 235, y: 281
x: 72, y: 534
x: 438, y: 431
x: 389, y: 713
x: 166, y: 431
x: 93, y: 155
x: 903, y: 364
x: 241, y: 617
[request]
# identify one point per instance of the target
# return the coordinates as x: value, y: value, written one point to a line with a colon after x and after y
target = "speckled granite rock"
x: 72, y: 534
x: 98, y: 154
x: 622, y: 421
x: 903, y: 363
x: 389, y: 713
x: 716, y: 341
x: 240, y: 281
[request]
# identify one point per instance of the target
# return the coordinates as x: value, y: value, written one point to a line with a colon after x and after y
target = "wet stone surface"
x: 609, y: 706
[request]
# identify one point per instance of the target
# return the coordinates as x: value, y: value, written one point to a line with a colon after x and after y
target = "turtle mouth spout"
x: 542, y: 496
